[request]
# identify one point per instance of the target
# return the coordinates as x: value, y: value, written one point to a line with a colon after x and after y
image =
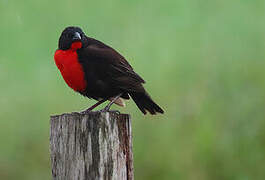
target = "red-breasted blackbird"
x: 97, y: 71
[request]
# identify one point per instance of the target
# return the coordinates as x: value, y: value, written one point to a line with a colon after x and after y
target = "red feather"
x: 71, y: 70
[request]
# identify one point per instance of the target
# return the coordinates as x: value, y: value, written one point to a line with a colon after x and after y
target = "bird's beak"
x: 76, y: 36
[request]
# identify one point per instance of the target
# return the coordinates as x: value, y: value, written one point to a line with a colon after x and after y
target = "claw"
x: 109, y: 111
x: 106, y: 109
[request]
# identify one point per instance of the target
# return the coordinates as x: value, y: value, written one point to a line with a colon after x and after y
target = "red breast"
x: 71, y: 70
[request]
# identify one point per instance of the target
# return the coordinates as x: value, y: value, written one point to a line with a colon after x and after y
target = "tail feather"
x: 145, y: 103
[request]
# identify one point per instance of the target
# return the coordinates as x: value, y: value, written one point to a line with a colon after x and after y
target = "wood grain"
x: 95, y: 146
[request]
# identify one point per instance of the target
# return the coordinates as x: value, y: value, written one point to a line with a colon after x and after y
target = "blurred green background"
x: 204, y: 63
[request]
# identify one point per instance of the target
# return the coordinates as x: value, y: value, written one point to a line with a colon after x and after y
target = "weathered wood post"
x: 93, y: 146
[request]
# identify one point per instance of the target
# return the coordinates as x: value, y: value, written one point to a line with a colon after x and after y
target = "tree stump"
x: 93, y: 146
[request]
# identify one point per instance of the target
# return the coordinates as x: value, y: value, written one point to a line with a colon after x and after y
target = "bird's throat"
x: 76, y: 45
x: 71, y: 70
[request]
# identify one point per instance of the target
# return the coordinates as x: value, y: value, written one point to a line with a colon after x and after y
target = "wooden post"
x: 93, y: 146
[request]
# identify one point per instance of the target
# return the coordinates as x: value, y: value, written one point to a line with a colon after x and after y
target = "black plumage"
x: 107, y: 72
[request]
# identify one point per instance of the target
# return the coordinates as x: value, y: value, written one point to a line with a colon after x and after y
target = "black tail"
x: 144, y: 102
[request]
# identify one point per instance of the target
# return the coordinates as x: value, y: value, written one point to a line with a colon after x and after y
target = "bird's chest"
x: 71, y: 70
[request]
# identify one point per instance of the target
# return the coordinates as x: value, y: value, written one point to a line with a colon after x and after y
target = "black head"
x: 69, y: 35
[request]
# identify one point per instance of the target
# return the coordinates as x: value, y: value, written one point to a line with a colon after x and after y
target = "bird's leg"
x: 94, y: 106
x: 111, y: 102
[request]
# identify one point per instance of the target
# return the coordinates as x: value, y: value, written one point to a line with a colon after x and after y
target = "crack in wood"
x: 96, y: 146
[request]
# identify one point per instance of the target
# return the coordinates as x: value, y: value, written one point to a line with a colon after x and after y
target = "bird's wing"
x: 109, y: 66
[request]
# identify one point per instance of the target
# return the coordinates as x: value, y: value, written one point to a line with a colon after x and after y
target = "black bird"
x: 97, y: 71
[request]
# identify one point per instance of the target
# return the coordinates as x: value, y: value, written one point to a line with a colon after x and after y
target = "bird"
x: 97, y: 71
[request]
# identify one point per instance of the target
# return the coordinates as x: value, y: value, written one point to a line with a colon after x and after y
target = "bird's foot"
x: 108, y: 110
x: 102, y: 110
x: 85, y: 111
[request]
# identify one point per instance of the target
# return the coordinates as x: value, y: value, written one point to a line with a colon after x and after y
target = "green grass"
x: 204, y: 63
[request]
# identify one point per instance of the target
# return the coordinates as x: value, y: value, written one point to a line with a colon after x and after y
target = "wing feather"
x: 114, y: 68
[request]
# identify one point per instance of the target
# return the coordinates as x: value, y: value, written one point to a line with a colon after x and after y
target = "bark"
x: 95, y: 146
